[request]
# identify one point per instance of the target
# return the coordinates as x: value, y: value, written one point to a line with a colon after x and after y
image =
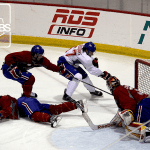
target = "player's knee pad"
x: 30, y: 81
x: 78, y: 77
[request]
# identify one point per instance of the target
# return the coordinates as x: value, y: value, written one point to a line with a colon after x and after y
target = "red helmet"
x: 112, y: 83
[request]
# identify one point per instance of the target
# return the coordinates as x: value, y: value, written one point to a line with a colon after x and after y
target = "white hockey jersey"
x: 76, y: 56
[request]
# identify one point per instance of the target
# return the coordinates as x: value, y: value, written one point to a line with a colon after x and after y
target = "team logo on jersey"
x: 77, y: 23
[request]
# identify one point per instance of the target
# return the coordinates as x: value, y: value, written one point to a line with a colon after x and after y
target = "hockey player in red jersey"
x: 134, y: 108
x: 39, y: 112
x: 11, y: 108
x: 8, y: 107
x: 16, y: 65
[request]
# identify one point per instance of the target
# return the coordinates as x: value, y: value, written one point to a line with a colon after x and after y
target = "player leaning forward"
x: 16, y: 65
x: 81, y: 54
x: 134, y: 109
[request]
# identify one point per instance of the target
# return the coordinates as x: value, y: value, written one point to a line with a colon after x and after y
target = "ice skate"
x: 82, y: 104
x: 67, y: 97
x: 54, y: 120
x: 97, y: 93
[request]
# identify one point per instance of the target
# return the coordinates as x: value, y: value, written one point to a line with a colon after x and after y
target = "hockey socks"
x: 27, y: 87
x: 64, y: 107
x: 40, y: 117
x: 27, y: 90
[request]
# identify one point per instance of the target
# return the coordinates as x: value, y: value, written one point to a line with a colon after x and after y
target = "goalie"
x: 134, y: 109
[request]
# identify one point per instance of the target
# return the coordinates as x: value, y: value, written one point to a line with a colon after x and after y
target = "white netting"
x: 144, y: 77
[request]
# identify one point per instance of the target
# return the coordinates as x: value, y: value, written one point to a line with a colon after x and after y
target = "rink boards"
x: 66, y: 26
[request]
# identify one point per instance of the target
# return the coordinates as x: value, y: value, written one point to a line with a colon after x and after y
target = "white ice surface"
x: 73, y: 133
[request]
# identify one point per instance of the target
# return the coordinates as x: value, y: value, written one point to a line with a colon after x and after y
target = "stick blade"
x: 89, y: 121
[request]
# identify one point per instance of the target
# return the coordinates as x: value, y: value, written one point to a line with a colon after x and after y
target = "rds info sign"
x: 76, y: 23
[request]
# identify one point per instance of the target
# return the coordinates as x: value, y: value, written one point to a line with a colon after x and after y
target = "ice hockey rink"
x: 73, y: 132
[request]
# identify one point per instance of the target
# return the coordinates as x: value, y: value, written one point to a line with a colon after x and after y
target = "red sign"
x: 75, y: 23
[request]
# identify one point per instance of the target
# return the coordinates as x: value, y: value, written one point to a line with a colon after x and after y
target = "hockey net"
x: 142, y: 75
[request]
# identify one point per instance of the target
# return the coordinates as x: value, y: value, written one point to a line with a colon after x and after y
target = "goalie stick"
x: 93, y: 126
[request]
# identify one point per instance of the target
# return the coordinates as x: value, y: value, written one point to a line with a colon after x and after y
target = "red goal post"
x: 142, y: 75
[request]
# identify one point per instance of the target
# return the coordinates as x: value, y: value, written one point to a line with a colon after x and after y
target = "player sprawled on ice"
x: 81, y: 54
x: 16, y: 65
x: 134, y: 109
x: 36, y: 111
x: 8, y: 107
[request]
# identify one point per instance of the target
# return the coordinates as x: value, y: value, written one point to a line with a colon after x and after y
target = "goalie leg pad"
x: 138, y: 134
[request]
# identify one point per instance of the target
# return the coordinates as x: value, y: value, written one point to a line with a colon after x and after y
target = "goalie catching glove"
x: 127, y: 116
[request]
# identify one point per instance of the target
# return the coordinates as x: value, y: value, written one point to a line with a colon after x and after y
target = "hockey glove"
x: 22, y: 66
x: 14, y: 71
x: 126, y: 116
x: 105, y: 75
x: 95, y: 62
x: 62, y: 69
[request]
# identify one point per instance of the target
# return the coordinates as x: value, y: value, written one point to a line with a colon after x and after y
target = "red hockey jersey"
x: 8, y: 107
x: 26, y: 58
x: 127, y: 97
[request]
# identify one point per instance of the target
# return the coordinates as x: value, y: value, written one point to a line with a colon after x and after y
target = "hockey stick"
x: 95, y: 127
x: 93, y: 86
x: 87, y: 83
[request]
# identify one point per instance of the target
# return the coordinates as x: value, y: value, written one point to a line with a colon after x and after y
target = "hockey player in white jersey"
x: 81, y: 54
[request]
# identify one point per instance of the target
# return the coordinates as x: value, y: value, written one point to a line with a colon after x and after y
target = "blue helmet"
x: 90, y: 46
x: 37, y: 49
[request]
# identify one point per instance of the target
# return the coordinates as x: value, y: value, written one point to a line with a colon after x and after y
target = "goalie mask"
x: 112, y: 83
